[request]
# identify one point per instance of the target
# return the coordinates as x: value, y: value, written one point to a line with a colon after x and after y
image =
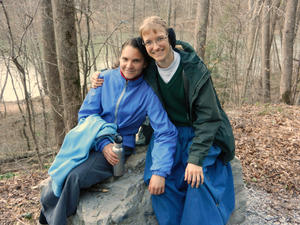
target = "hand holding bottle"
x: 110, y: 156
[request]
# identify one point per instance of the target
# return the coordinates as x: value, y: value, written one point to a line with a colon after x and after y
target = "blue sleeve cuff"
x: 159, y: 173
x: 102, y: 143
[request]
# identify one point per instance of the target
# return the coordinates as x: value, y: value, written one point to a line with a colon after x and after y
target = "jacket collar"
x: 194, y: 69
x: 133, y: 82
x: 187, y: 54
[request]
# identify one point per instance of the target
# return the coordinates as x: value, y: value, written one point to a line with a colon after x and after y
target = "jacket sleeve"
x: 91, y: 104
x: 165, y: 138
x: 207, y: 120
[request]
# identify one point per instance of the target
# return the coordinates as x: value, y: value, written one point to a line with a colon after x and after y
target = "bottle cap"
x: 118, y: 139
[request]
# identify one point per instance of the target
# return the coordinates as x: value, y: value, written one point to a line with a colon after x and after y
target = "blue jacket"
x: 76, y: 147
x: 127, y: 103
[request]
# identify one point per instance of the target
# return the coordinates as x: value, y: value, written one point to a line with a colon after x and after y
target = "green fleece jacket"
x: 210, y: 123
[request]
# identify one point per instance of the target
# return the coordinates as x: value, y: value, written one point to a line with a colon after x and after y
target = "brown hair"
x: 135, y: 43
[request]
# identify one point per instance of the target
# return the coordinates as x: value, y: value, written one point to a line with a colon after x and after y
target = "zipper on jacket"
x: 119, y: 100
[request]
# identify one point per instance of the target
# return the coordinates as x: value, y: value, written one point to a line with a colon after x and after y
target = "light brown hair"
x: 153, y: 23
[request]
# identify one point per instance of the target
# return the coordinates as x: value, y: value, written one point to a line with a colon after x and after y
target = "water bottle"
x: 119, y: 168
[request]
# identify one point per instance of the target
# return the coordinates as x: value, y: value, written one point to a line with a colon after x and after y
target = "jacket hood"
x: 194, y: 68
x: 187, y: 52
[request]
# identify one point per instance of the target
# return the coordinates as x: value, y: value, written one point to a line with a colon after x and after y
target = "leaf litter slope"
x: 267, y: 143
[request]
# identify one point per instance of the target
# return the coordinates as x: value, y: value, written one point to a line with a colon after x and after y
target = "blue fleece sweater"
x: 76, y: 147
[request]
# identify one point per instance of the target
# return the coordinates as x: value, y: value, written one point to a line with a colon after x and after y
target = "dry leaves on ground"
x: 268, y: 145
x: 19, y: 198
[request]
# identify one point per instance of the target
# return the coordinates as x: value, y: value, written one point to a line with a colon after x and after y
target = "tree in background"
x: 51, y: 70
x: 20, y: 61
x: 232, y: 48
x: 67, y: 55
x: 201, y: 22
x: 287, y: 48
x: 253, y: 28
x: 265, y: 52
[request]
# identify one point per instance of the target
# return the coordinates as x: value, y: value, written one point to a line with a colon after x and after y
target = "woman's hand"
x: 95, y: 81
x: 156, y: 185
x: 110, y: 156
x: 194, y: 175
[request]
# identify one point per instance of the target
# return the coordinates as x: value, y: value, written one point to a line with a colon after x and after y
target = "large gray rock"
x: 238, y: 215
x: 123, y: 200
x: 126, y: 200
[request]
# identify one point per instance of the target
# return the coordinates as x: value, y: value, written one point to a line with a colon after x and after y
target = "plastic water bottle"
x: 119, y: 168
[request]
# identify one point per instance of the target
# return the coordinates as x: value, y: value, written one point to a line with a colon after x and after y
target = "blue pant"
x: 211, y: 203
x: 94, y: 170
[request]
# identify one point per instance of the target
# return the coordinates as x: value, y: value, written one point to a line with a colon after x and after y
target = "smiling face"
x: 132, y: 62
x: 157, y: 45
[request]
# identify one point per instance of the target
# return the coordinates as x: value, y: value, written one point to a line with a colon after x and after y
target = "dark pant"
x: 94, y: 170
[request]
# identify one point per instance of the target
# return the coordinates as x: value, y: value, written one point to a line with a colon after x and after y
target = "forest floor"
x: 267, y: 144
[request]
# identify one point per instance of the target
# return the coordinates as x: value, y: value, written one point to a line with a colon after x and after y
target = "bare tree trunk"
x: 42, y: 75
x: 51, y: 71
x: 5, y: 110
x: 287, y: 49
x: 155, y: 7
x: 297, y: 23
x: 265, y: 52
x: 106, y: 56
x: 46, y: 123
x: 21, y: 111
x: 106, y: 44
x: 277, y: 55
x: 66, y: 48
x: 120, y: 14
x: 133, y: 18
x: 254, y: 11
x: 87, y: 65
x: 29, y: 108
x: 144, y: 8
x: 2, y: 92
x: 94, y: 63
x: 274, y: 18
x: 201, y: 27
x: 36, y: 59
x: 84, y: 44
x: 169, y: 12
x: 296, y: 81
x: 174, y: 13
x: 21, y: 70
x: 187, y: 8
x: 3, y: 87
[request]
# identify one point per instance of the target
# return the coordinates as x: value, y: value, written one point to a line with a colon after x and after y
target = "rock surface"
x: 238, y: 215
x: 126, y: 200
x: 123, y: 200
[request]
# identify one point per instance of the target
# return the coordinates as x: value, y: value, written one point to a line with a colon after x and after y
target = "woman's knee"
x: 73, y: 178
